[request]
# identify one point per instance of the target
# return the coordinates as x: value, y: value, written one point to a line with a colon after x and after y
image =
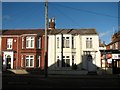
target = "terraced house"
x: 23, y: 48
x: 68, y: 48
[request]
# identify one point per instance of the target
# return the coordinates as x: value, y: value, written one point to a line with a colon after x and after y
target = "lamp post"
x: 45, y: 51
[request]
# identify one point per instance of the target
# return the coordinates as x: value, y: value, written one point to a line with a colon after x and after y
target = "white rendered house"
x: 69, y: 47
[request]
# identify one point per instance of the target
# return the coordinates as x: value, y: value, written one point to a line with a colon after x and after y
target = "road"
x: 58, y: 81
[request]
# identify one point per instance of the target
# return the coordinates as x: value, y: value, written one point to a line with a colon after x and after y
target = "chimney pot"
x: 52, y: 23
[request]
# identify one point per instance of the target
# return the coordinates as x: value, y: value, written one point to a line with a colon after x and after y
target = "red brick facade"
x: 20, y: 55
x: 115, y: 42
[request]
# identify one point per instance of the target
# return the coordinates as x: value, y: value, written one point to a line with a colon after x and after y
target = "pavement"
x: 42, y: 75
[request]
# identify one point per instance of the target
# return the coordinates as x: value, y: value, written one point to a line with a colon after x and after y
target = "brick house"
x: 23, y: 48
x: 115, y: 42
x: 114, y: 45
x: 114, y: 57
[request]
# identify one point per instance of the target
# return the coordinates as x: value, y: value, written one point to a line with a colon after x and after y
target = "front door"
x: 116, y: 66
x: 8, y: 62
x: 91, y: 66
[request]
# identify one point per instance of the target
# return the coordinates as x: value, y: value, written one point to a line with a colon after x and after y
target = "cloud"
x: 104, y: 33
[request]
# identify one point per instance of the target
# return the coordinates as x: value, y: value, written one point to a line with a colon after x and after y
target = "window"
x: 39, y: 42
x: 73, y: 59
x: 9, y: 43
x: 29, y: 61
x: 119, y: 56
x: 88, y: 42
x: 58, y: 61
x: 73, y: 42
x: 66, y: 42
x: 118, y: 64
x: 22, y: 61
x: 57, y: 42
x: 66, y: 61
x: 29, y: 42
x: 110, y: 46
x: 116, y: 45
x: 38, y: 61
x: 22, y: 42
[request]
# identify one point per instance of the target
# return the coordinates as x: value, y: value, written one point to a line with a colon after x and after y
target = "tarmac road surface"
x: 60, y: 81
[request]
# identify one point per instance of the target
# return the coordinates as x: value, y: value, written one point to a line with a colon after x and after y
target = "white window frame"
x: 22, y: 61
x: 29, y: 60
x: 65, y: 58
x: 39, y: 43
x: 111, y: 46
x: 29, y: 40
x: 66, y: 42
x: 58, y: 41
x: 9, y: 43
x: 89, y: 42
x: 58, y: 61
x: 116, y: 45
x: 22, y: 42
x: 73, y: 42
x: 39, y: 60
x: 73, y: 59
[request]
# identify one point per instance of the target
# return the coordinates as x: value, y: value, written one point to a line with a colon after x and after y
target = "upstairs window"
x: 116, y: 45
x: 38, y: 42
x: 110, y: 46
x: 73, y: 42
x: 58, y: 42
x: 22, y: 42
x: 30, y: 42
x: 66, y: 42
x: 9, y: 43
x: 88, y: 42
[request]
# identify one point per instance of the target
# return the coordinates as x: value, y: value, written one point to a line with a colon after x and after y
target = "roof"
x: 102, y: 45
x: 74, y: 31
x: 114, y: 41
x: 51, y: 32
x: 23, y: 31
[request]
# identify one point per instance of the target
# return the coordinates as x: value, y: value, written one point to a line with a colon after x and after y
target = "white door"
x: 8, y: 59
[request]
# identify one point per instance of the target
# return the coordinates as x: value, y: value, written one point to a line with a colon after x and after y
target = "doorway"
x: 8, y: 59
x: 91, y: 67
x: 116, y: 66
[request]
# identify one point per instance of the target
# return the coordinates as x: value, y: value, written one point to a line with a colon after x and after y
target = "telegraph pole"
x: 45, y: 52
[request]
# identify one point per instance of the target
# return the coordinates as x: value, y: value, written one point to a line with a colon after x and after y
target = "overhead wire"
x: 87, y: 11
x: 65, y: 15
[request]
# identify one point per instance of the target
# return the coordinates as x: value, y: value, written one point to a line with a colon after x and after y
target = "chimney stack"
x: 52, y: 23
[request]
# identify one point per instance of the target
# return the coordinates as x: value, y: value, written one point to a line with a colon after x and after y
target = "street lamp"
x: 46, y: 28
